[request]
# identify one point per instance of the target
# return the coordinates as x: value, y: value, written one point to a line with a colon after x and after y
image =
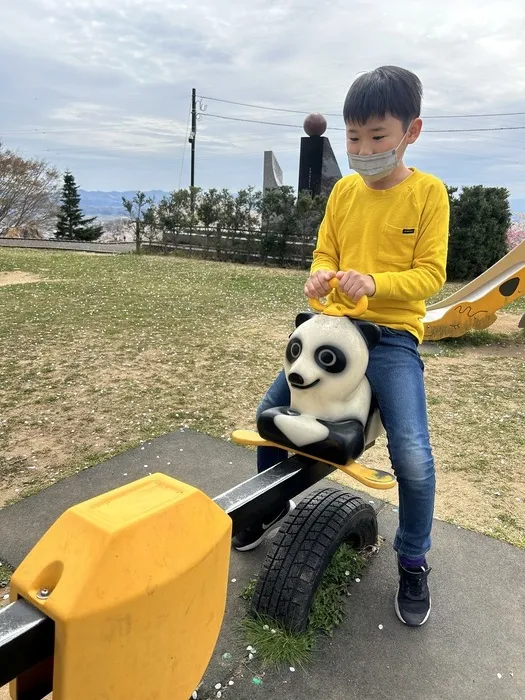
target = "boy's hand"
x: 317, y: 285
x: 355, y: 285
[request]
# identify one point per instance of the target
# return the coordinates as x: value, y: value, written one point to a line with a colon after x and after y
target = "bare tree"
x: 29, y: 191
x: 139, y: 215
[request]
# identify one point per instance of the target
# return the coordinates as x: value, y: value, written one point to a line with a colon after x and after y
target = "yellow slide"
x: 474, y: 306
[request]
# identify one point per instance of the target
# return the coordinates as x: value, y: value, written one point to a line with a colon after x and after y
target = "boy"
x: 384, y: 235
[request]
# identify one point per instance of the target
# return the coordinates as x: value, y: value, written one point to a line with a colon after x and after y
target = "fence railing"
x: 255, y: 246
x: 270, y: 247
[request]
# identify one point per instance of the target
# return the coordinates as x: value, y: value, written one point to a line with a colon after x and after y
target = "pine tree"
x: 71, y: 223
x: 479, y: 221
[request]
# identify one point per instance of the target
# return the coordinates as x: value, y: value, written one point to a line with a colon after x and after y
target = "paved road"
x: 68, y: 245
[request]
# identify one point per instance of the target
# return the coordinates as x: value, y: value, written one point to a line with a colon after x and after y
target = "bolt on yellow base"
x: 136, y: 582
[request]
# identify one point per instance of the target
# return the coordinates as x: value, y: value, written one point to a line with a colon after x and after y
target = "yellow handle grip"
x: 340, y: 309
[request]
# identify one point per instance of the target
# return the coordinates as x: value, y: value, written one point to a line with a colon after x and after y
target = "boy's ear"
x: 370, y: 332
x: 302, y: 317
x: 414, y: 130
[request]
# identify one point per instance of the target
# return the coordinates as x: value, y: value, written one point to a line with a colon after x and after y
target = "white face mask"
x: 378, y: 165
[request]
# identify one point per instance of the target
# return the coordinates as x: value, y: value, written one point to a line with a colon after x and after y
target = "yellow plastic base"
x: 373, y: 478
x: 138, y: 580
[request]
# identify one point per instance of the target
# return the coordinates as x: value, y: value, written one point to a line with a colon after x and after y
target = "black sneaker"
x: 412, y: 600
x: 254, y: 535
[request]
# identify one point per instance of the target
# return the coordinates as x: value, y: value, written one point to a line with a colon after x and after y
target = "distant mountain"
x: 109, y: 204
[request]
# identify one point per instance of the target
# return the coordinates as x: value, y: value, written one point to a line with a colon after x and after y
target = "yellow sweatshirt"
x: 398, y: 235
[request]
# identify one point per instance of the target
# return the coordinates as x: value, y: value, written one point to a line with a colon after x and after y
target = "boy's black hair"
x: 387, y: 90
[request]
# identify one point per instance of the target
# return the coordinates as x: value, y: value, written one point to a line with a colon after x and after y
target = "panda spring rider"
x: 325, y: 364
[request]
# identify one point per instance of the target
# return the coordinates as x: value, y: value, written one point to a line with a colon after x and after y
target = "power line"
x: 271, y: 109
x: 131, y: 163
x: 336, y: 128
x: 256, y: 121
x: 474, y: 116
x: 53, y: 131
x: 332, y: 114
x: 490, y: 128
x: 126, y: 128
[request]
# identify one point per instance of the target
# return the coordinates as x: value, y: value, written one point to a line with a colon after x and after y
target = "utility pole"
x: 193, y: 134
x: 192, y: 138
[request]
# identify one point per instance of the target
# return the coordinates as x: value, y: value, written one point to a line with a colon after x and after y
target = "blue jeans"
x: 395, y: 372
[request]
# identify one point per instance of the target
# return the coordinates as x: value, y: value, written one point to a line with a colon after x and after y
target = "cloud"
x: 88, y: 84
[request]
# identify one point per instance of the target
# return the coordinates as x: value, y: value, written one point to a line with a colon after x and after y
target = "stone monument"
x: 318, y: 168
x: 272, y: 174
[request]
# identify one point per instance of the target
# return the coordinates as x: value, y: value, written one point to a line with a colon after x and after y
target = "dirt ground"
x: 18, y: 277
x: 4, y: 694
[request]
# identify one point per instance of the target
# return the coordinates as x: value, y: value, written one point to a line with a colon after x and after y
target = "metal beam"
x: 246, y: 503
x: 27, y: 637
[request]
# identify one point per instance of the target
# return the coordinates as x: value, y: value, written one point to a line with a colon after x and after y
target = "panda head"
x: 327, y: 356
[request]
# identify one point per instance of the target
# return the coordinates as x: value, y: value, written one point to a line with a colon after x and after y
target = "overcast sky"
x: 106, y: 92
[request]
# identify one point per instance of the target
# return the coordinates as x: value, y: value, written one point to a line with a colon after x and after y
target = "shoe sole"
x: 398, y: 613
x: 270, y: 528
x: 252, y: 545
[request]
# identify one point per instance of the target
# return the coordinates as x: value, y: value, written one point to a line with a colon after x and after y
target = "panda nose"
x: 295, y: 378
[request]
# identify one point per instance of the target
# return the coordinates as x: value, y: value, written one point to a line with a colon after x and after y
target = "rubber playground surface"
x: 471, y: 648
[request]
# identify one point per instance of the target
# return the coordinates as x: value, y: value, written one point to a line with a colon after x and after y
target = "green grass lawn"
x: 107, y: 351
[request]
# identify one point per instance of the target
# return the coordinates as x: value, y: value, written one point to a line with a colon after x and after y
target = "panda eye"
x: 327, y: 358
x: 294, y: 349
x: 330, y: 358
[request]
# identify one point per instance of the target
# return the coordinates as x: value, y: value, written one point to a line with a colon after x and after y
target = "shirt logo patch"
x: 409, y: 230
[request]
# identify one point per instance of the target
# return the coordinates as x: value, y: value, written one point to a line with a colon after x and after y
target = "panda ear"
x: 302, y: 317
x: 370, y: 332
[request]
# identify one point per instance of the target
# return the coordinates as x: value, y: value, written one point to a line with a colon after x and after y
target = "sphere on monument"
x: 315, y: 124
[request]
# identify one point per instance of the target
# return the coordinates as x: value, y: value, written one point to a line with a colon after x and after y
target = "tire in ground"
x: 302, y: 550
